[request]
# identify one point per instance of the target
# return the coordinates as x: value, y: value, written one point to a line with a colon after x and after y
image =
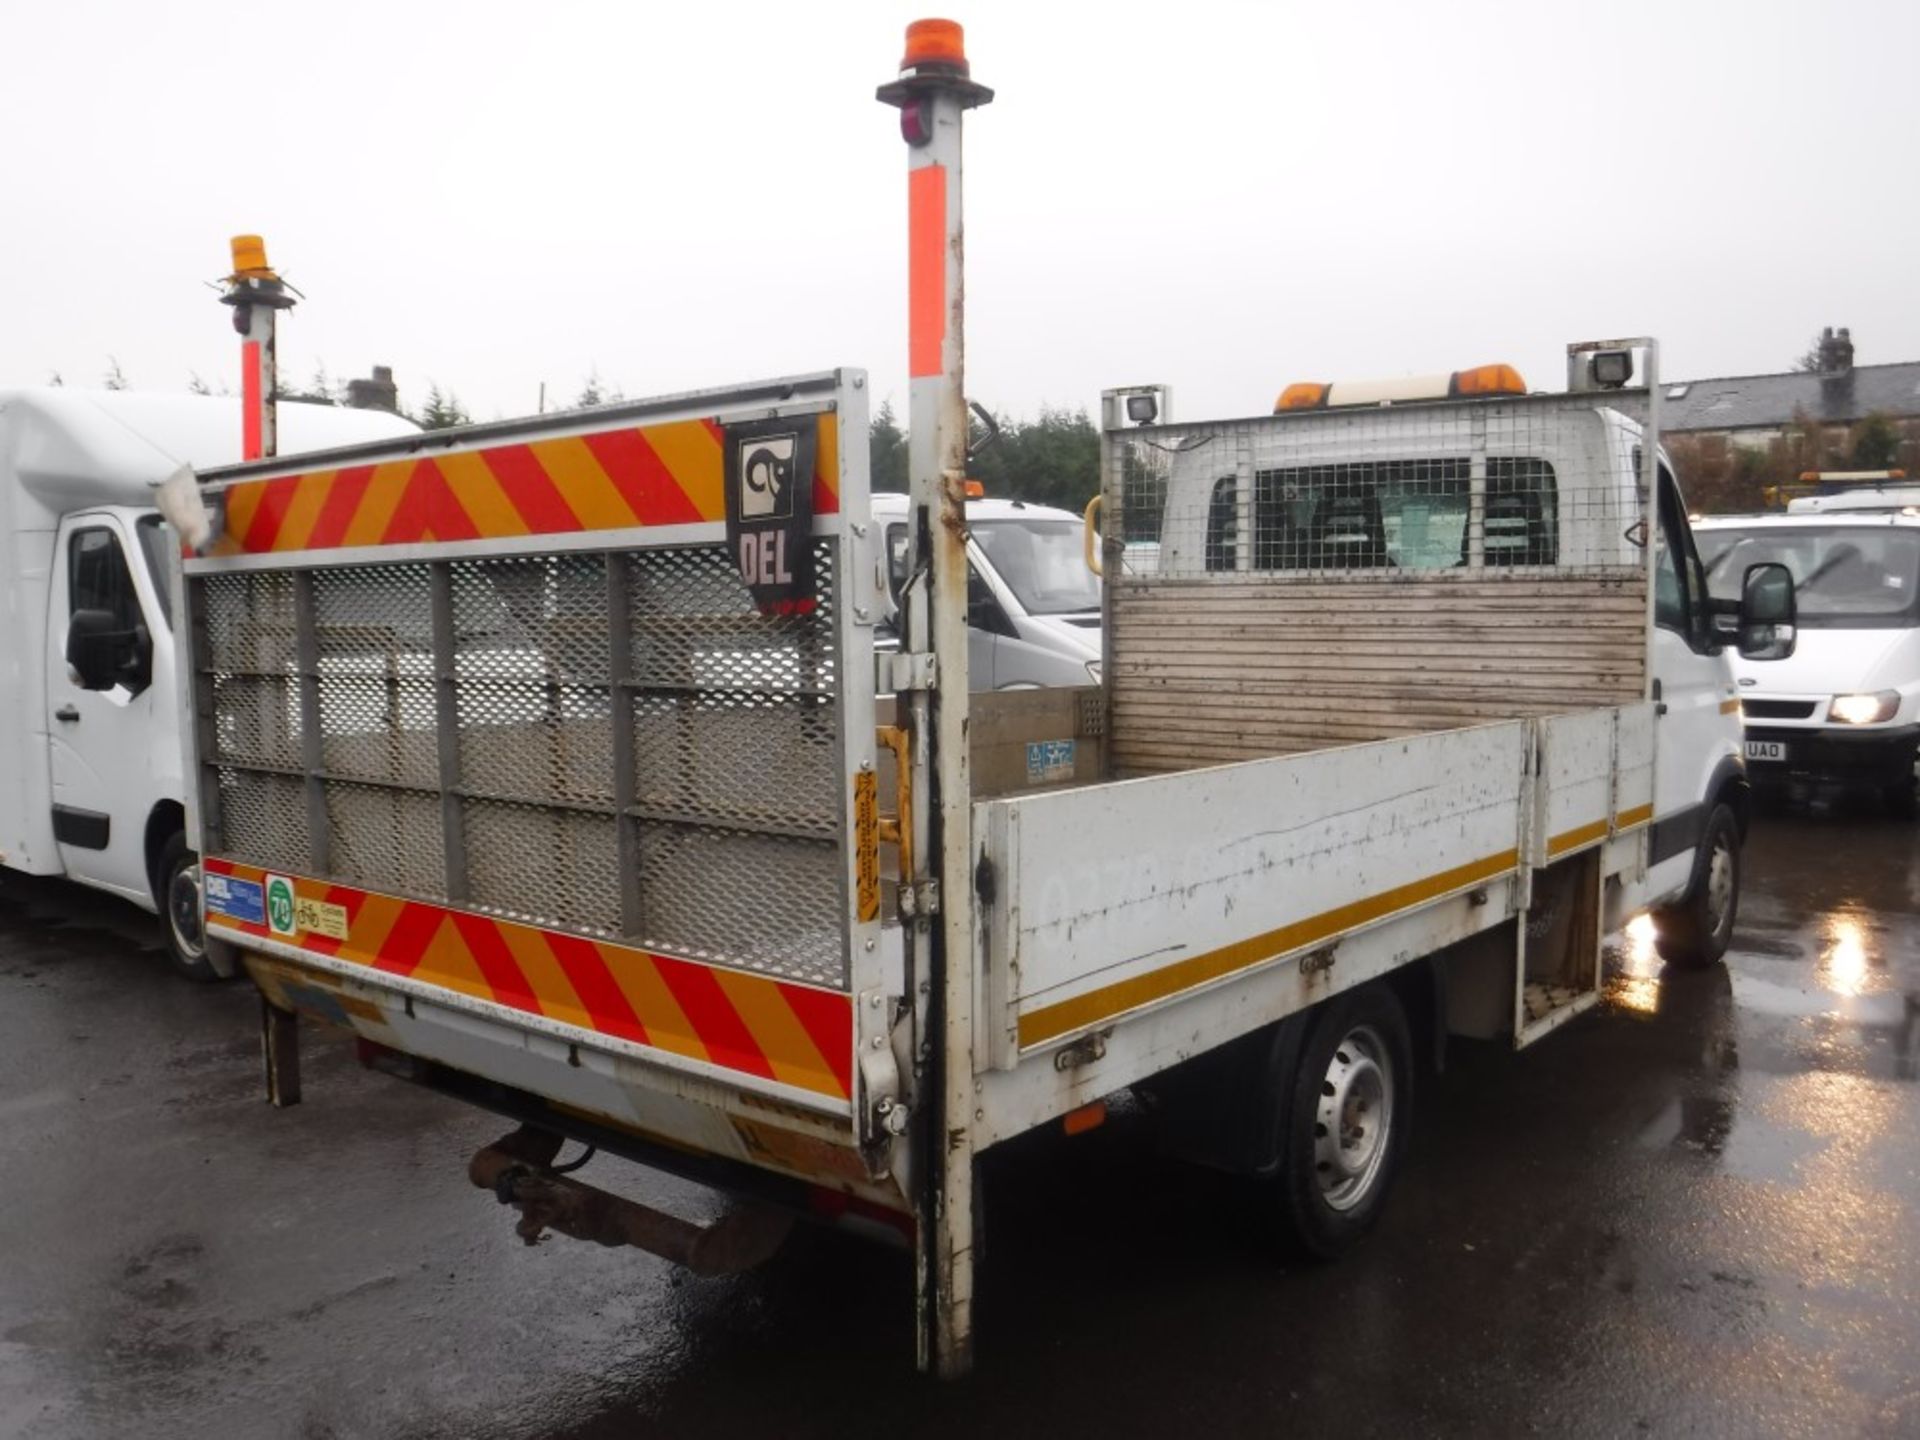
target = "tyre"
x: 1696, y: 932
x: 179, y: 898
x: 1345, y: 1122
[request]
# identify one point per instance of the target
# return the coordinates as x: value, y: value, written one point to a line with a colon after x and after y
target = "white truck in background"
x: 90, y: 774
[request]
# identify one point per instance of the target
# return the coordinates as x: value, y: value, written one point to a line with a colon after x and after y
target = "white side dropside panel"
x: 1122, y: 897
x: 1597, y: 772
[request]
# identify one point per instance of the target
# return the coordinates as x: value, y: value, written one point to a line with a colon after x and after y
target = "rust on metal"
x: 516, y: 1169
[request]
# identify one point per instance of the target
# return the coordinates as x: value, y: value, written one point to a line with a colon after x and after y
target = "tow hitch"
x: 519, y: 1170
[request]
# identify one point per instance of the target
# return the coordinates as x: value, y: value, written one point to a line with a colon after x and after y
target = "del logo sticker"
x: 769, y: 493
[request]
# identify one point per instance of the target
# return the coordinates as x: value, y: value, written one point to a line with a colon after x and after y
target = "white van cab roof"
x: 890, y: 504
x: 1808, y: 519
x: 71, y: 448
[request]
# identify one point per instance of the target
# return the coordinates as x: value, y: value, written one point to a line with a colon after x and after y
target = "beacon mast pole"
x: 257, y: 296
x: 933, y: 94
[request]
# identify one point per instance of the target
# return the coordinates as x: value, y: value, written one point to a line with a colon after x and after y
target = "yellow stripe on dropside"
x: 1638, y: 815
x: 1050, y: 1021
x: 481, y: 495
x: 1572, y: 839
x: 693, y: 457
x: 578, y: 476
x: 303, y: 510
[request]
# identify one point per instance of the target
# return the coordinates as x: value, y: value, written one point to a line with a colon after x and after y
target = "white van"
x: 90, y: 784
x: 1844, y: 710
x: 1033, y: 606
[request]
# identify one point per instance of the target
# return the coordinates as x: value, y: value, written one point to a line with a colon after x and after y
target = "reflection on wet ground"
x: 1695, y: 1212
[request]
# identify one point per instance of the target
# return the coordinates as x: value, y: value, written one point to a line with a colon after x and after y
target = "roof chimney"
x: 380, y: 393
x: 1836, y: 351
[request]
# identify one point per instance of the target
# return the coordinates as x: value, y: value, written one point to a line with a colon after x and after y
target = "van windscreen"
x: 1844, y: 576
x: 1042, y: 561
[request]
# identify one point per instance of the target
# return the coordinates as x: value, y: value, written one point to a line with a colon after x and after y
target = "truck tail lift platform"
x: 546, y: 757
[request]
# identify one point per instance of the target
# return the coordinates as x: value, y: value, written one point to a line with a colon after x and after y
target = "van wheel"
x: 1696, y: 932
x: 1346, y: 1122
x: 180, y: 910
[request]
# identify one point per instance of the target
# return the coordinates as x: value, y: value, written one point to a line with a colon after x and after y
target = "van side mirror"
x: 104, y: 654
x: 1767, y: 612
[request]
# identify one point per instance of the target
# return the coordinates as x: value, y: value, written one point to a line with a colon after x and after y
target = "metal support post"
x: 933, y: 94
x: 257, y: 296
x: 280, y: 1054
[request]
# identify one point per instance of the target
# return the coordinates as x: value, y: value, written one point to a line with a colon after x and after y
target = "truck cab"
x: 1844, y: 712
x: 1033, y: 605
x: 90, y: 762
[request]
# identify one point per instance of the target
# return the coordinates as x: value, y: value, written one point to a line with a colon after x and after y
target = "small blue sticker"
x: 237, y: 899
x: 1049, y: 760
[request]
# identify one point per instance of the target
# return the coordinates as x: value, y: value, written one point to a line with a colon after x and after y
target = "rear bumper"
x: 1881, y: 755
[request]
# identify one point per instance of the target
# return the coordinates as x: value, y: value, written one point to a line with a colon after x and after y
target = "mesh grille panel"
x: 528, y: 740
x: 711, y: 755
x: 695, y: 628
x: 387, y: 840
x: 257, y: 720
x: 263, y: 818
x: 722, y: 894
x: 733, y: 757
x: 250, y: 623
x: 557, y: 868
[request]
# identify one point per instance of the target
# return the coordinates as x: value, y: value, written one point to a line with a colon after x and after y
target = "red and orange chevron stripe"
x: 769, y: 1029
x: 614, y: 479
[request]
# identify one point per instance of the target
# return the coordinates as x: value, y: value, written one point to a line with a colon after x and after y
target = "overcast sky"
x: 1224, y: 197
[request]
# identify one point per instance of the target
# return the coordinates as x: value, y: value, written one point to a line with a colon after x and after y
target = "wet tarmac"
x: 1694, y: 1212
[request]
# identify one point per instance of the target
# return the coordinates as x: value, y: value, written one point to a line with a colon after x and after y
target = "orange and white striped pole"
x: 933, y: 93
x: 257, y: 296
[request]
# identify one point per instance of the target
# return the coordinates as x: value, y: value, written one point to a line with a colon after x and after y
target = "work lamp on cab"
x: 1612, y: 368
x: 1143, y: 409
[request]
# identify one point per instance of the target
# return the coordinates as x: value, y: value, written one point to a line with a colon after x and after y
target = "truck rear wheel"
x: 180, y: 919
x: 1346, y: 1122
x: 1696, y: 932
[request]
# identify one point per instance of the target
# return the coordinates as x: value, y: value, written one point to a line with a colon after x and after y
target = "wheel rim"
x: 1353, y: 1123
x: 1720, y: 884
x: 183, y: 912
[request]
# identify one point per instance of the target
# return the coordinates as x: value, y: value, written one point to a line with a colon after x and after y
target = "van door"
x: 1698, y: 717
x: 100, y: 722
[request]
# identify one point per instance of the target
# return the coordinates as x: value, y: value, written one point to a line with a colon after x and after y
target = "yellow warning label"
x: 866, y: 842
x: 319, y: 917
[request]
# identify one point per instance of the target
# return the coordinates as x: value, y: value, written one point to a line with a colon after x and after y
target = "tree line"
x: 1053, y: 459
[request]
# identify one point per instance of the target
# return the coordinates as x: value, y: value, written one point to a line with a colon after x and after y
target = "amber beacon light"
x: 934, y: 44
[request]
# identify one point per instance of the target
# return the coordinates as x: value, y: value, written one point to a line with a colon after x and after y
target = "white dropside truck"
x: 570, y: 800
x: 90, y: 779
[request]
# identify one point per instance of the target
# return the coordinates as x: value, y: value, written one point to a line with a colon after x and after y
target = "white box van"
x: 1033, y: 606
x: 90, y: 784
x: 1844, y: 710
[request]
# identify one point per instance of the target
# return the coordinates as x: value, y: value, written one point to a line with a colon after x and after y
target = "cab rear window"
x: 1401, y: 515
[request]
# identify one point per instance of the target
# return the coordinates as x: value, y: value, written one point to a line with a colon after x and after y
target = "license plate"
x: 1766, y: 750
